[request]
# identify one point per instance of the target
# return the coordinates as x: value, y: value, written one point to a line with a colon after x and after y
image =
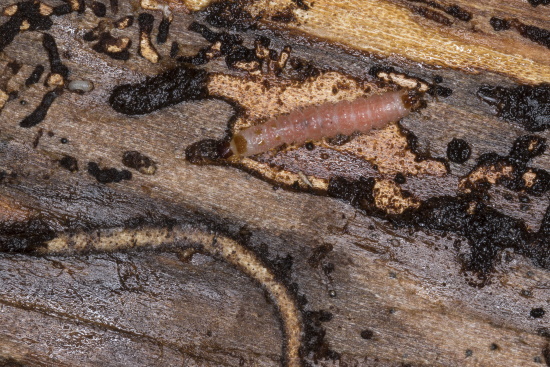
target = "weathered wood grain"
x: 406, y: 289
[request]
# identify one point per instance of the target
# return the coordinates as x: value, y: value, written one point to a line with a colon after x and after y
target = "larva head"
x: 413, y: 100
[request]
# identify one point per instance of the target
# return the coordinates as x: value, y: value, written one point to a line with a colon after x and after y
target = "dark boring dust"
x: 26, y: 11
x: 531, y: 32
x: 108, y: 175
x: 523, y: 150
x: 105, y: 43
x: 38, y: 115
x: 458, y: 151
x: 231, y: 47
x: 138, y: 161
x: 25, y: 237
x: 56, y: 66
x: 453, y: 10
x: 163, y: 31
x: 230, y: 15
x: 69, y: 163
x: 488, y: 231
x: 35, y: 76
x: 526, y: 105
x: 169, y: 88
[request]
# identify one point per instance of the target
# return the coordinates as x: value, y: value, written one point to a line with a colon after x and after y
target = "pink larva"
x: 327, y: 120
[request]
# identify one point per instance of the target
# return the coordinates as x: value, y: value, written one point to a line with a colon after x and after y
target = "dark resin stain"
x: 35, y: 75
x: 69, y: 163
x: 26, y: 11
x: 41, y: 111
x: 108, y: 175
x: 167, y: 89
x: 526, y: 105
x: 458, y: 151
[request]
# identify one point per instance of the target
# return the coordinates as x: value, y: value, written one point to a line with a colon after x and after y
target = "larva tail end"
x: 208, y: 151
x: 413, y: 100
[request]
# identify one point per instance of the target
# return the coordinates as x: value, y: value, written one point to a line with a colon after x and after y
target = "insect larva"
x: 326, y: 120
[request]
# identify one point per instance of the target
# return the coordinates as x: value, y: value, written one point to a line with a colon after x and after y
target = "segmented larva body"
x: 326, y: 120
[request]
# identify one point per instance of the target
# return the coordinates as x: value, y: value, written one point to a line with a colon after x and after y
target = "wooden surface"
x: 404, y: 289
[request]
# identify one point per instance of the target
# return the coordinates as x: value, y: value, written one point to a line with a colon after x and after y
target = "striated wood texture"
x: 128, y: 238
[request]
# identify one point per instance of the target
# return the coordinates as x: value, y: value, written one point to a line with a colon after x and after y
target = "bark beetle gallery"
x: 378, y: 99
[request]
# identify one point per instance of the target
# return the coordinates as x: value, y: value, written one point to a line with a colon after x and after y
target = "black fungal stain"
x: 35, y: 75
x: 138, y: 161
x: 145, y: 21
x: 431, y: 15
x: 174, y: 49
x: 39, y: 134
x: 367, y: 334
x: 537, y: 313
x: 124, y: 22
x: 523, y: 150
x: 526, y: 105
x: 539, y: 2
x: 99, y: 9
x: 400, y: 178
x: 107, y: 42
x: 14, y: 66
x: 440, y: 91
x: 69, y: 163
x: 319, y: 254
x: 28, y: 11
x: 286, y: 16
x: 169, y: 88
x: 41, y: 111
x: 164, y: 29
x: 314, y: 345
x: 56, y: 66
x: 458, y: 13
x: 546, y: 354
x: 230, y: 15
x: 108, y: 175
x: 301, y: 4
x: 453, y: 10
x: 458, y: 151
x: 499, y: 24
x: 231, y: 48
x: 533, y: 33
x: 114, y: 6
x: 62, y: 9
x: 488, y: 231
x: 304, y: 69
x: 25, y: 237
x: 207, y: 151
